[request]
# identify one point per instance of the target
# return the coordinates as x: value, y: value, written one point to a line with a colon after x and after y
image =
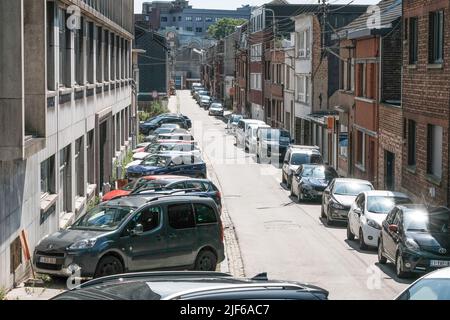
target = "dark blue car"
x: 155, y: 123
x: 183, y: 164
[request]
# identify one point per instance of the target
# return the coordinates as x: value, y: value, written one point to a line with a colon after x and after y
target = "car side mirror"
x: 137, y: 230
x: 393, y: 228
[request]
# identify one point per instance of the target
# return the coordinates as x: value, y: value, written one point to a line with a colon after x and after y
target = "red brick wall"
x: 426, y: 99
x: 319, y: 71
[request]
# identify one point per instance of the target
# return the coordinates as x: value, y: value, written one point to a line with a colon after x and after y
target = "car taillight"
x: 218, y: 195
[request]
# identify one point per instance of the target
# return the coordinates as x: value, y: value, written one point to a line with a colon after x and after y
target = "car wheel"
x: 350, y: 235
x: 108, y: 266
x: 322, y: 211
x: 381, y: 258
x: 362, y: 244
x: 283, y: 179
x: 288, y: 182
x: 292, y: 191
x: 399, y: 267
x: 206, y: 261
x: 258, y: 160
x: 300, y: 196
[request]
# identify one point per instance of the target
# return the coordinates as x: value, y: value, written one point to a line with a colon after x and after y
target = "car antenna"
x: 261, y: 276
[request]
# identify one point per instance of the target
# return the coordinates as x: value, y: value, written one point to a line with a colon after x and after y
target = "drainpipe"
x: 380, y: 79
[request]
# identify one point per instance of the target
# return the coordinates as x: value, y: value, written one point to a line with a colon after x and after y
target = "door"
x: 147, y: 250
x: 354, y: 217
x: 389, y: 237
x: 181, y: 234
x: 389, y: 170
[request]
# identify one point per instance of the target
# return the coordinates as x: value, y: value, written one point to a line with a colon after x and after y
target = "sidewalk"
x: 50, y: 290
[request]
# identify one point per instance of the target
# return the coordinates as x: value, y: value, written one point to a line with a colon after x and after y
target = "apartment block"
x: 65, y: 114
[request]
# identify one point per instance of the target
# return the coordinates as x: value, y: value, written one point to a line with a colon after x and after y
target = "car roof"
x: 385, y: 193
x: 438, y: 274
x: 352, y: 180
x: 163, y: 177
x: 189, y: 284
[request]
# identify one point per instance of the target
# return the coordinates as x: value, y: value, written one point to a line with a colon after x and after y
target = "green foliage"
x: 141, y: 138
x: 157, y: 108
x: 224, y: 27
x: 144, y: 116
x: 2, y: 293
x: 93, y: 203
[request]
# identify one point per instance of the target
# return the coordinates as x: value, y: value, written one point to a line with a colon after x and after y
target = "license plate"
x: 439, y: 263
x: 47, y: 260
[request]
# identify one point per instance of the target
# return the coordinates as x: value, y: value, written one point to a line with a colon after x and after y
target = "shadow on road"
x: 334, y: 225
x: 354, y: 244
x: 389, y: 270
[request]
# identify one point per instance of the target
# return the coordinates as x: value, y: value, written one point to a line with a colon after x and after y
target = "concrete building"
x: 65, y: 110
x: 180, y: 15
x: 289, y: 85
x: 426, y: 100
x: 375, y: 126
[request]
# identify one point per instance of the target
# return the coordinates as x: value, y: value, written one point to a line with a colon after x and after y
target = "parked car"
x: 233, y: 121
x: 135, y: 234
x: 310, y: 181
x: 339, y: 196
x: 141, y: 146
x: 271, y: 143
x: 183, y: 146
x: 169, y: 163
x: 193, y: 285
x: 368, y: 212
x: 296, y: 156
x: 251, y: 136
x: 179, y: 135
x: 147, y: 182
x: 416, y: 239
x: 242, y: 129
x: 196, y: 86
x: 205, y: 101
x: 155, y: 133
x: 199, y: 94
x: 433, y: 286
x: 203, y: 186
x: 149, y: 126
x: 199, y: 91
x: 216, y: 109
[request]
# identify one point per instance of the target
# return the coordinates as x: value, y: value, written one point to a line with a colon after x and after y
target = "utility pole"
x: 324, y: 9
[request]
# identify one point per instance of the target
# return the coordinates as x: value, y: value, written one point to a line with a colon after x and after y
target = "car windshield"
x: 350, y: 188
x: 103, y: 218
x: 205, y: 98
x: 155, y: 161
x: 130, y: 186
x: 216, y: 105
x: 319, y: 173
x: 383, y: 204
x: 422, y: 221
x: 428, y: 289
x: 163, y: 130
x: 305, y: 158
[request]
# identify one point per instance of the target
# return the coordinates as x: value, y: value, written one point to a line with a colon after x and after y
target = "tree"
x: 224, y: 27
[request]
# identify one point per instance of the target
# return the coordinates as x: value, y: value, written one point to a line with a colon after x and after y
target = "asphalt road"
x: 276, y: 234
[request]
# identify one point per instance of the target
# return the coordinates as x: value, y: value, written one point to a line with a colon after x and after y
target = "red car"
x: 157, y: 181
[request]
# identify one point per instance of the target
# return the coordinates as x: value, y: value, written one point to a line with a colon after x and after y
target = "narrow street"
x: 275, y: 234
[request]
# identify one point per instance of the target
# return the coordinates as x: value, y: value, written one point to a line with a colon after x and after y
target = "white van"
x: 242, y: 128
x: 251, y: 136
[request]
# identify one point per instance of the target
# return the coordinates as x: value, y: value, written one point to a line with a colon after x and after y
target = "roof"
x: 367, y: 24
x: 383, y: 193
x: 351, y: 180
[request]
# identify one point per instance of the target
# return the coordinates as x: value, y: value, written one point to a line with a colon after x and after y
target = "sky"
x: 233, y: 4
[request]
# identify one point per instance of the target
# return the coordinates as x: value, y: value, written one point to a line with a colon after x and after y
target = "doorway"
x: 389, y: 160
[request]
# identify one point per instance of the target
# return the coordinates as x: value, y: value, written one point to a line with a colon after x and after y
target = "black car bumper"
x: 339, y: 214
x: 62, y: 263
x: 423, y: 263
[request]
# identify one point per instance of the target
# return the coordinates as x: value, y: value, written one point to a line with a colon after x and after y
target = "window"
x: 65, y: 182
x: 413, y: 40
x: 267, y: 70
x: 199, y: 30
x: 188, y: 18
x: 346, y: 75
x: 181, y: 216
x: 79, y: 167
x: 79, y: 54
x: 204, y: 214
x: 304, y: 45
x: 303, y: 89
x: 90, y: 152
x: 188, y: 28
x: 198, y: 19
x: 343, y: 141
x: 257, y: 22
x: 362, y: 74
x: 179, y: 18
x: 48, y: 176
x: 360, y: 148
x: 105, y: 56
x: 196, y: 185
x: 434, y: 150
x: 50, y: 45
x: 90, y: 52
x: 174, y: 19
x: 99, y: 63
x: 255, y: 81
x: 288, y: 77
x: 163, y: 19
x: 64, y: 52
x: 256, y: 52
x: 411, y: 143
x: 208, y: 19
x: 149, y: 218
x: 436, y: 37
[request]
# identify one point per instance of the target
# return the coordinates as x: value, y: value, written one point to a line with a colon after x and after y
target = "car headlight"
x: 336, y: 205
x: 83, y: 244
x: 373, y: 224
x: 412, y: 245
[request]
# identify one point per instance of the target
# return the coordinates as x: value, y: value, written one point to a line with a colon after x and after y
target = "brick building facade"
x: 426, y: 99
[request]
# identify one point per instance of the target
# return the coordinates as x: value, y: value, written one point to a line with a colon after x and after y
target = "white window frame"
x: 256, y: 52
x: 304, y: 44
x: 361, y: 165
x: 303, y: 84
x: 256, y: 81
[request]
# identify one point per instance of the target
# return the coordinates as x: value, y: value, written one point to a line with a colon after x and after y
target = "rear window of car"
x: 204, y: 214
x: 181, y: 216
